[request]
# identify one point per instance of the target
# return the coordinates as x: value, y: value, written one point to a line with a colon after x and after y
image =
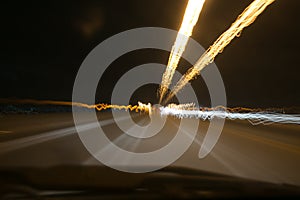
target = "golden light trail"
x: 99, y: 107
x: 245, y: 19
x: 190, y: 18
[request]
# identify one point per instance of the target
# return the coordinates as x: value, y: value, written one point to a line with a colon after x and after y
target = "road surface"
x: 263, y: 152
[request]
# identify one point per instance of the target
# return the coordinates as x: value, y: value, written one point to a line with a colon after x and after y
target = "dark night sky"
x: 44, y: 43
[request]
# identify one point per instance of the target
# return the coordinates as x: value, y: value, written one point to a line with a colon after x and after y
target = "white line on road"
x: 5, y: 132
x: 51, y: 135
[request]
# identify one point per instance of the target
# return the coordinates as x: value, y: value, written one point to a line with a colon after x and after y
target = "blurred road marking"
x: 284, y: 146
x: 23, y: 142
x: 5, y: 132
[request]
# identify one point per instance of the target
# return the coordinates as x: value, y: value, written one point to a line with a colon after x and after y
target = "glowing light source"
x: 245, y: 19
x: 190, y: 18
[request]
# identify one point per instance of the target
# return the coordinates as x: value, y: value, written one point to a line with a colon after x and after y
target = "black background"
x: 43, y: 44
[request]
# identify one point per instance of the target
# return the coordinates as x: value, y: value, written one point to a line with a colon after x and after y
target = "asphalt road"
x: 263, y: 152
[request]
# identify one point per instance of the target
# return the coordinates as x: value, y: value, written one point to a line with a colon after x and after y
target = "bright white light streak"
x: 253, y: 118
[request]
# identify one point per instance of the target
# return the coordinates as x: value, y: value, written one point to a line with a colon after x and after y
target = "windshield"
x: 138, y: 88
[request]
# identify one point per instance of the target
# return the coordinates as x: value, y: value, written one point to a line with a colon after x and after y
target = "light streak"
x: 187, y: 106
x: 137, y: 108
x: 245, y: 19
x: 188, y: 110
x: 190, y: 18
x: 254, y: 118
x: 99, y: 107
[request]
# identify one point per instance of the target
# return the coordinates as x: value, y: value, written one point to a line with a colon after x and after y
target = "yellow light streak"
x: 245, y: 19
x: 99, y: 107
x: 190, y: 18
